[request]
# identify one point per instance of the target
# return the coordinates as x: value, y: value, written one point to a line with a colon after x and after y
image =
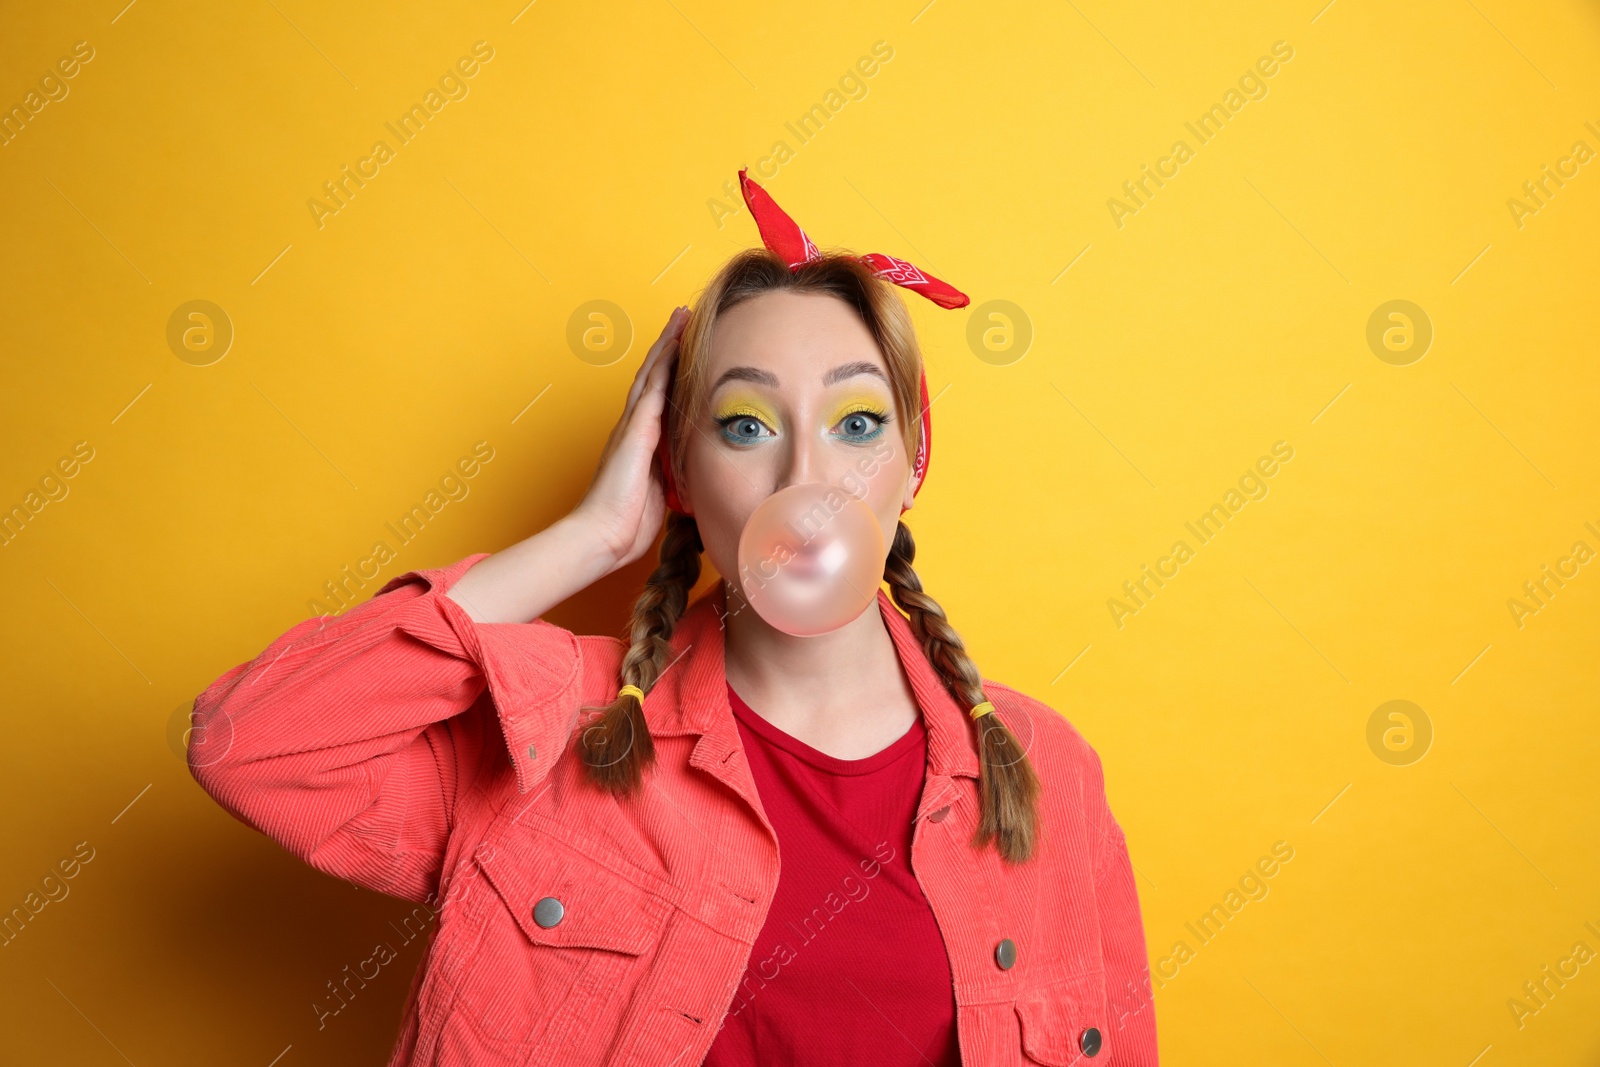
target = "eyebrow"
x: 767, y: 378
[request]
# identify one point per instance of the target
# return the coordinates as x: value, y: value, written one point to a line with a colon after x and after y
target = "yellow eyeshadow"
x: 745, y: 406
x: 860, y: 402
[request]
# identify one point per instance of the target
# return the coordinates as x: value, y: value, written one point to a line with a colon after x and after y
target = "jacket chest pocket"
x: 1064, y: 1022
x: 556, y: 950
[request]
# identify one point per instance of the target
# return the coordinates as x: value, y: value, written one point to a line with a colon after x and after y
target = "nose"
x: 803, y: 462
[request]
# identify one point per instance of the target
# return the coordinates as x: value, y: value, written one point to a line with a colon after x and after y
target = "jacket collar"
x: 691, y: 696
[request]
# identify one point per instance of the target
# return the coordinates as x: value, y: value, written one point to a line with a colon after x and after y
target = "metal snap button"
x: 533, y: 753
x: 1089, y: 1041
x: 548, y: 912
x: 1005, y: 954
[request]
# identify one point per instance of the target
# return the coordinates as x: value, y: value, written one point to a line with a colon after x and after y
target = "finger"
x: 669, y: 332
x: 640, y: 377
x: 654, y: 397
x: 644, y: 422
x: 668, y: 340
x: 649, y: 420
x: 666, y: 346
x: 659, y: 368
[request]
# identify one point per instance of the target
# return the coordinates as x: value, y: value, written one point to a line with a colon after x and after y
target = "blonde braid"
x: 616, y: 745
x: 1008, y: 787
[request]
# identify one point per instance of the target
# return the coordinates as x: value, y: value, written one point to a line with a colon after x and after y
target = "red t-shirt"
x: 850, y: 966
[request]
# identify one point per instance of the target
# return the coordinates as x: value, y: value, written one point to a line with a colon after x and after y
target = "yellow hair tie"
x: 981, y: 710
x: 635, y: 690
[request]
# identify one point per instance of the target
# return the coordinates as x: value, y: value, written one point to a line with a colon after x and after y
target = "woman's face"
x: 800, y: 393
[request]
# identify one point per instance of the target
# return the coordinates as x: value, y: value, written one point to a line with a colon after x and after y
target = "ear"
x: 911, y: 491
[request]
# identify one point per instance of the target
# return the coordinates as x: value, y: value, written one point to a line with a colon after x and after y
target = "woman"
x: 599, y: 823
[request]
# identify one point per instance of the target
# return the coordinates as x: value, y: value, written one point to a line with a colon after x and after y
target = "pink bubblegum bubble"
x: 810, y: 558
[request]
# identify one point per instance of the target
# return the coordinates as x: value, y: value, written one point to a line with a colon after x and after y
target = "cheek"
x: 884, y: 477
x: 723, y: 498
x: 884, y: 471
x: 889, y: 516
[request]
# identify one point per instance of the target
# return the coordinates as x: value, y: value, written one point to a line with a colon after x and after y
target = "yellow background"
x: 1229, y: 313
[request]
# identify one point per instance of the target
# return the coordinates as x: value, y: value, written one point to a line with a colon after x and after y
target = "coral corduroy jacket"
x: 406, y: 748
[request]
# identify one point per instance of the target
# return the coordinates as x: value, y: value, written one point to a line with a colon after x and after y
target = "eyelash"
x: 883, y: 417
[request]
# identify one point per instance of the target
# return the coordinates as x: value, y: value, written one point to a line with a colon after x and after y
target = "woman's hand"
x: 626, y: 500
x: 613, y: 526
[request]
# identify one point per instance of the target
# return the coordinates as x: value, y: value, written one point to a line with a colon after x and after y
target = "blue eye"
x: 858, y: 426
x: 742, y: 429
x: 863, y: 425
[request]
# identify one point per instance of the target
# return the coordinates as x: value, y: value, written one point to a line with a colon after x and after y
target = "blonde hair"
x: 615, y: 744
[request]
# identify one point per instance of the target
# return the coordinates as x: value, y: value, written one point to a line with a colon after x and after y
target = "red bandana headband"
x: 784, y: 237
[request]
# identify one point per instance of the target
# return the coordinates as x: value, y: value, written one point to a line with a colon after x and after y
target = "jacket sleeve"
x: 1131, y: 1035
x: 350, y: 738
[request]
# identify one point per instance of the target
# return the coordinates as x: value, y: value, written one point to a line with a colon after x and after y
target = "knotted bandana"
x: 786, y: 239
